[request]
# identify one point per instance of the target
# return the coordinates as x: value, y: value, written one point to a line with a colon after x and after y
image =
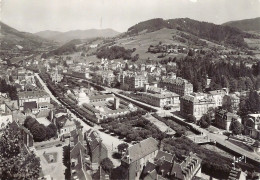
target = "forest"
x: 235, y: 76
x: 114, y: 52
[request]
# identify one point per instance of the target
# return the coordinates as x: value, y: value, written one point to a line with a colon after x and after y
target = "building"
x: 166, y: 167
x: 132, y: 81
x: 196, y: 104
x: 159, y: 97
x: 55, y: 76
x: 83, y: 96
x: 177, y: 85
x: 188, y: 168
x: 32, y: 96
x: 137, y: 156
x: 78, y: 157
x: 252, y: 125
x: 223, y: 119
x: 107, y: 77
x: 218, y: 96
x: 234, y: 98
x: 96, y: 150
x: 65, y: 125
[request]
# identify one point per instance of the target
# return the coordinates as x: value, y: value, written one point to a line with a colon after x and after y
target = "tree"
x: 191, y: 118
x: 205, y: 121
x: 135, y: 58
x: 227, y: 104
x: 39, y: 132
x: 236, y: 127
x: 11, y: 79
x: 51, y: 131
x: 122, y: 147
x: 15, y: 161
x: 29, y: 122
x: 107, y: 165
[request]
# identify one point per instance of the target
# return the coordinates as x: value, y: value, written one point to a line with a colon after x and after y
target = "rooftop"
x: 28, y: 94
x: 141, y: 149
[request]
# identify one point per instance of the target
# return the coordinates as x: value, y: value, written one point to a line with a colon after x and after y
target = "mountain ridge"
x: 209, y: 31
x: 77, y: 34
x: 11, y: 37
x: 245, y: 24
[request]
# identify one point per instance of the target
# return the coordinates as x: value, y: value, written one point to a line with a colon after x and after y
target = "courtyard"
x: 51, y: 160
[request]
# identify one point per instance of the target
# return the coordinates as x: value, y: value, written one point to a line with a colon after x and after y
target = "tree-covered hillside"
x: 212, y: 32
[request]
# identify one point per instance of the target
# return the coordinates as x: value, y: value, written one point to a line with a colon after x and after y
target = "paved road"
x: 110, y: 142
x: 46, y: 88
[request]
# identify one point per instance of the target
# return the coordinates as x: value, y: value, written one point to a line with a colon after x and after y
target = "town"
x: 161, y: 104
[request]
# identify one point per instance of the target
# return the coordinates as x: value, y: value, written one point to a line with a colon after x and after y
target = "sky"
x: 65, y: 15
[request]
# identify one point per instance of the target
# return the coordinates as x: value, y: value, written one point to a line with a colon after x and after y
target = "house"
x: 65, y: 125
x: 252, y: 125
x: 196, y: 104
x: 138, y: 155
x: 223, y: 119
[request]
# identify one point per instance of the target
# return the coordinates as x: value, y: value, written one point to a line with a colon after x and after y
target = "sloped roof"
x: 165, y: 167
x: 29, y: 94
x: 149, y: 168
x: 164, y: 156
x: 142, y: 149
x: 151, y: 176
x: 30, y: 105
x: 43, y: 113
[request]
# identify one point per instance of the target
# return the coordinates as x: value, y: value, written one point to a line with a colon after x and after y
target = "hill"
x: 48, y: 34
x: 11, y: 38
x: 246, y: 24
x: 209, y: 31
x: 63, y: 37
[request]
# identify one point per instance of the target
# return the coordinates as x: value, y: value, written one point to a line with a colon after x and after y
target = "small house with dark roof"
x: 65, y: 125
